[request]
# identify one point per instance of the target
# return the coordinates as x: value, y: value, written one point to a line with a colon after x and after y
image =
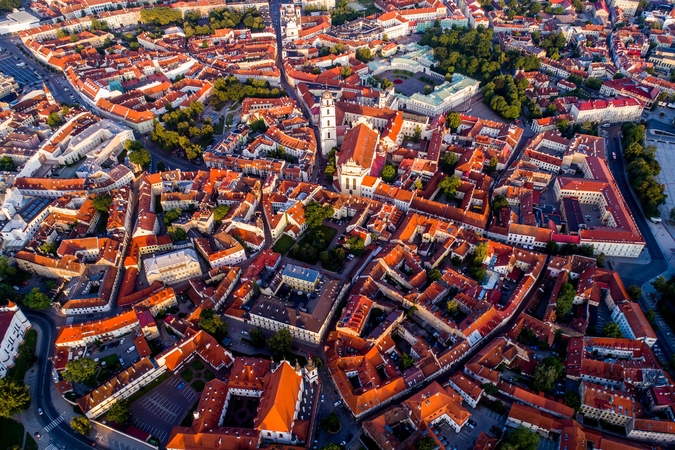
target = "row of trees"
x: 230, y: 88
x: 642, y: 169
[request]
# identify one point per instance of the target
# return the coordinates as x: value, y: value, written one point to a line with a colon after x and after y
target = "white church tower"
x: 328, y: 125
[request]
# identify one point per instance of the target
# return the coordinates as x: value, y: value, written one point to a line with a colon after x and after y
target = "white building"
x: 356, y: 157
x: 18, y: 21
x: 173, y: 267
x: 620, y: 109
x: 13, y: 326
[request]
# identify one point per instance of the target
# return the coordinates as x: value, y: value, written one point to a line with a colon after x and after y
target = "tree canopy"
x: 13, y: 397
x: 79, y: 370
x: 212, y: 323
x: 102, y: 203
x: 37, y: 300
x: 453, y: 120
x: 280, y: 343
x: 521, y: 439
x: 547, y: 373
x: 449, y: 185
x: 161, y: 15
x: 388, y: 173
x: 565, y: 300
x: 81, y: 425
x: 611, y: 329
x: 119, y: 411
x: 315, y: 214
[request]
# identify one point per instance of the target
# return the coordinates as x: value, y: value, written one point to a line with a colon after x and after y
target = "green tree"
x: 407, y: 361
x: 79, y: 370
x: 220, y: 211
x: 417, y: 134
x: 612, y: 330
x: 453, y: 120
x: 81, y: 425
x: 176, y: 234
x: 498, y: 203
x: 480, y: 253
x: 364, y: 54
x: 356, y: 245
x: 102, y: 203
x: 546, y: 374
x: 315, y: 214
x: 426, y: 443
x: 37, y: 300
x: 634, y: 292
x: 140, y: 157
x: 449, y: 185
x: 417, y: 185
x: 345, y: 72
x: 449, y: 162
x: 258, y: 338
x: 280, y: 343
x: 565, y: 300
x: 212, y: 323
x: 552, y: 248
x: 6, y: 271
x: 119, y: 412
x: 521, y: 439
x: 572, y: 399
x: 54, y: 119
x: 452, y: 307
x: 650, y: 315
x: 490, y: 389
x: 13, y: 397
x: 434, y: 275
x: 388, y: 173
x: 593, y: 83
x: 331, y: 423
x: 7, y: 164
x: 171, y: 216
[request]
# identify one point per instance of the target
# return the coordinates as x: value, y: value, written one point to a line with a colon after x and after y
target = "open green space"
x: 187, y: 375
x: 208, y: 375
x: 303, y: 251
x: 26, y: 357
x: 197, y: 365
x: 284, y: 244
x: 30, y: 443
x: 198, y: 385
x: 11, y: 432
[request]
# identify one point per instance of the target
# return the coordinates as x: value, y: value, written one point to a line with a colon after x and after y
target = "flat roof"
x: 301, y: 273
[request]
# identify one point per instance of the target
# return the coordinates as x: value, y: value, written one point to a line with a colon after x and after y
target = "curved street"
x: 61, y: 435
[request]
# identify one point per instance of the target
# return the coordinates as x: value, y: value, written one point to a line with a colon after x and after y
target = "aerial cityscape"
x: 337, y: 225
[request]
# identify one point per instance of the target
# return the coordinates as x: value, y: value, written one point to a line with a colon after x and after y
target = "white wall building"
x: 13, y: 327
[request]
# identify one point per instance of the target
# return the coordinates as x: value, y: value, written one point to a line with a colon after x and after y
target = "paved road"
x: 59, y: 432
x: 634, y: 273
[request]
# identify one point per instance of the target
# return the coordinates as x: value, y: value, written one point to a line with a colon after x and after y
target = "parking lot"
x: 484, y: 420
x: 164, y: 407
x: 23, y: 75
x: 665, y: 154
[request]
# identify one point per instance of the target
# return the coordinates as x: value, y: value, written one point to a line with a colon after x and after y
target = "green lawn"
x: 197, y: 365
x: 284, y: 244
x: 187, y: 375
x: 11, y: 432
x: 218, y: 127
x: 26, y: 357
x: 198, y: 385
x: 328, y: 232
x: 208, y: 375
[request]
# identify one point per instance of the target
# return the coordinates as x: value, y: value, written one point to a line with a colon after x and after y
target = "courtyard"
x: 241, y: 411
x: 409, y: 83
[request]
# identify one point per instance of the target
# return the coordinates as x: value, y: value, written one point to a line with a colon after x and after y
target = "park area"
x: 313, y: 243
x: 409, y: 83
x: 12, y: 433
x: 197, y: 375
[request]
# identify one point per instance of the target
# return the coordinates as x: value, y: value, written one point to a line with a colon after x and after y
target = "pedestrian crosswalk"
x: 54, y: 423
x: 52, y: 447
